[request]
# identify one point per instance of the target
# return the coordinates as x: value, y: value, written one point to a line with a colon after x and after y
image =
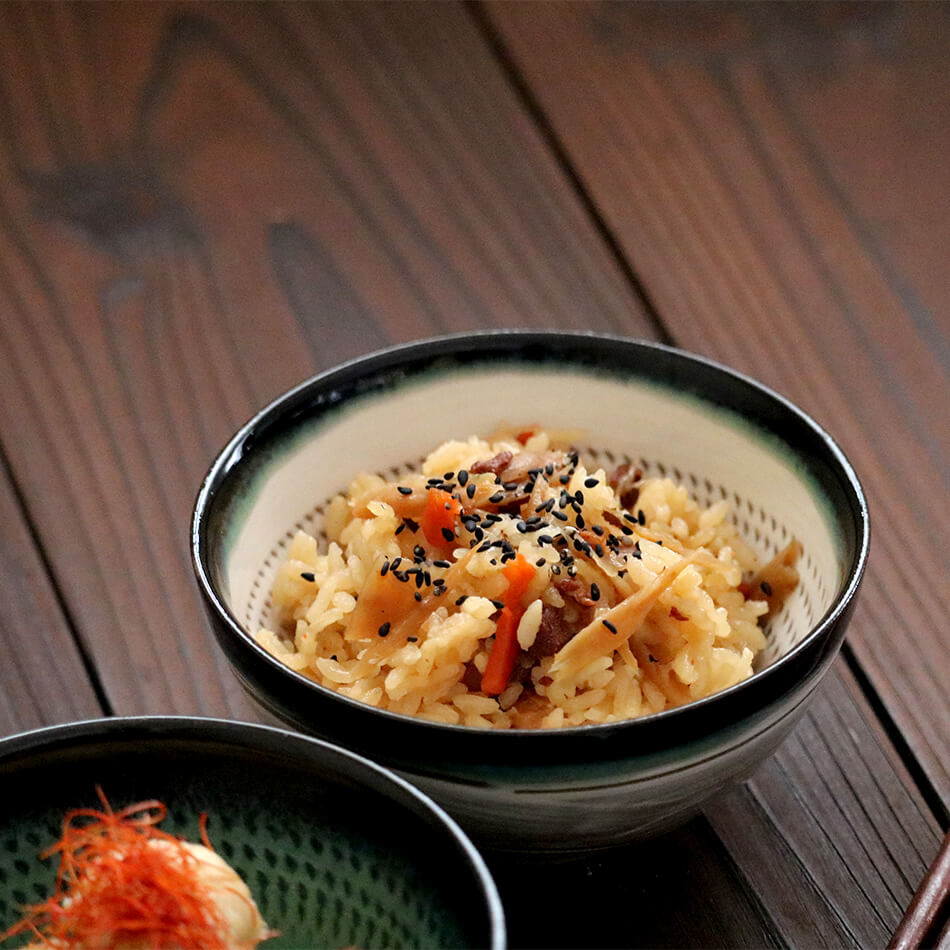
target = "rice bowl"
x: 632, y: 598
x: 722, y: 436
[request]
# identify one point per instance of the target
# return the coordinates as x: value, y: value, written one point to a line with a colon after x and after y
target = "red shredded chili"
x: 116, y: 884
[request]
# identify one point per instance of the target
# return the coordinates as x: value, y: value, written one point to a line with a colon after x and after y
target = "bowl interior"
x: 625, y: 415
x: 335, y: 855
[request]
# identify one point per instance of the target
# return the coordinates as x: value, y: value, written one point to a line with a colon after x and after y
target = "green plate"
x: 337, y: 852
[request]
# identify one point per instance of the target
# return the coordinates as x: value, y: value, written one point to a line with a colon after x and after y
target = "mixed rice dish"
x: 511, y: 583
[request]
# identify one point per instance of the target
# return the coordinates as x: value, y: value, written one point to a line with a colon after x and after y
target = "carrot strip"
x: 438, y: 519
x: 501, y: 660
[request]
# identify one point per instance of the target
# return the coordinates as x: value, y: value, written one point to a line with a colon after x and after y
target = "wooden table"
x: 202, y: 205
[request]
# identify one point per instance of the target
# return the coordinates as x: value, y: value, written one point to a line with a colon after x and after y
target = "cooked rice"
x: 406, y: 647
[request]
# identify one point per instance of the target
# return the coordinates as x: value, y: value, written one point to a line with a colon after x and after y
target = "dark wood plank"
x: 44, y: 681
x: 772, y: 171
x: 678, y: 890
x: 202, y: 205
x: 826, y: 832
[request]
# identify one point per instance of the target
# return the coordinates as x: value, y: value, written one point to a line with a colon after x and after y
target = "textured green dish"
x: 336, y: 852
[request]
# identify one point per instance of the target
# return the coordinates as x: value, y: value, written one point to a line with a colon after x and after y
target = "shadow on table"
x: 679, y: 890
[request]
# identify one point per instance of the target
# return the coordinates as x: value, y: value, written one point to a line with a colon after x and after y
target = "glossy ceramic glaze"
x: 336, y: 851
x: 721, y: 434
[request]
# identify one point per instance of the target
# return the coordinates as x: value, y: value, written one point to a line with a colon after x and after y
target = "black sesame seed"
x: 463, y: 477
x: 580, y: 521
x: 522, y: 527
x: 594, y: 592
x: 598, y: 530
x: 609, y: 626
x: 383, y: 630
x: 599, y: 550
x: 764, y: 585
x: 497, y: 497
x: 333, y: 657
x: 484, y: 547
x: 403, y: 490
x: 461, y: 600
x: 309, y: 576
x: 590, y: 482
x: 641, y: 517
x: 384, y: 570
x: 565, y: 478
x: 400, y: 529
x: 441, y: 563
x: 411, y: 639
x: 545, y: 539
x: 579, y: 497
x: 419, y: 553
x: 470, y: 490
x: 622, y: 572
x: 401, y: 576
x: 549, y: 468
x: 559, y: 515
x: 396, y: 562
x: 418, y: 597
x: 448, y: 534
x: 555, y: 568
x: 540, y: 562
x: 627, y: 531
x: 498, y: 603
x: 432, y: 482
x: 439, y: 582
x: 509, y: 486
x: 439, y: 591
x: 413, y: 526
x: 449, y: 475
x: 653, y: 659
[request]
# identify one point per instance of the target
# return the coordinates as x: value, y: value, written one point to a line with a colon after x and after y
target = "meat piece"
x: 521, y: 466
x: 472, y: 678
x: 524, y: 664
x: 574, y: 588
x: 624, y: 482
x: 529, y: 711
x: 554, y: 632
x: 496, y: 464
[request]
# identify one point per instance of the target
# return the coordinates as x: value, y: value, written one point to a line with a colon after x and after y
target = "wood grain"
x: 201, y: 206
x: 753, y: 163
x: 44, y: 680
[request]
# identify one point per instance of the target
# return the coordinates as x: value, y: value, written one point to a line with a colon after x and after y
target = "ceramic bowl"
x: 720, y: 433
x: 336, y: 851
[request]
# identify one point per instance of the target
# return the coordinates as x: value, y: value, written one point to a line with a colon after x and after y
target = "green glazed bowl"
x: 337, y: 852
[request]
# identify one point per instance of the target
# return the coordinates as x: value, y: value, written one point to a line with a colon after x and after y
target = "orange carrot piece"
x: 438, y: 520
x: 501, y: 661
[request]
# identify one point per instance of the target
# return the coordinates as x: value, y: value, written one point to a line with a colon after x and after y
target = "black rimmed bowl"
x: 669, y: 412
x: 337, y: 852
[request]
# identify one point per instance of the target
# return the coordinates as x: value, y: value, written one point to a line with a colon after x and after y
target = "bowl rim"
x: 255, y: 737
x: 646, y: 734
